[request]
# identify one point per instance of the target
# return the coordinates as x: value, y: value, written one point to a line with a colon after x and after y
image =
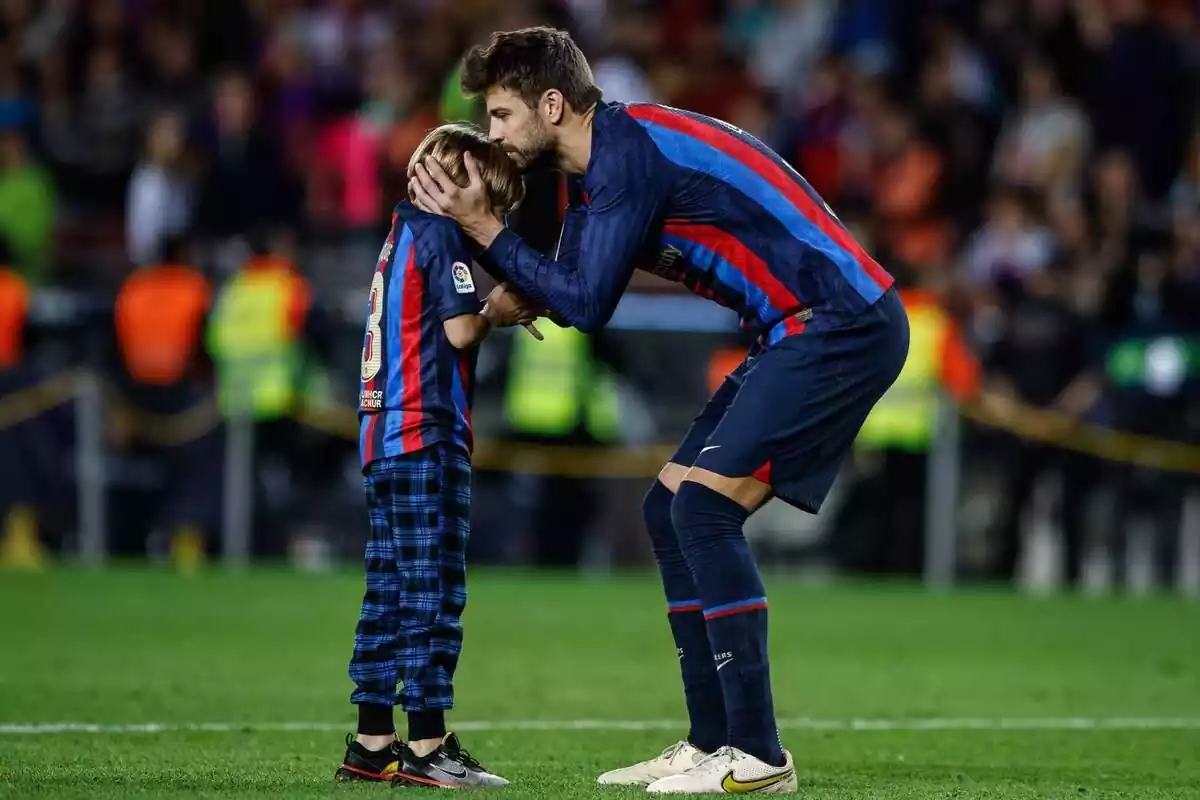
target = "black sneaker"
x: 447, y: 767
x: 361, y: 764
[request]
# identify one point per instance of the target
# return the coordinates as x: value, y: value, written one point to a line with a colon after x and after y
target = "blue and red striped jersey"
x: 702, y: 203
x: 416, y: 387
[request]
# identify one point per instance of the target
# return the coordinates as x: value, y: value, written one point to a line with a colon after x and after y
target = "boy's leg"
x: 787, y: 432
x: 445, y: 640
x: 374, y: 665
x: 416, y: 515
x: 432, y: 557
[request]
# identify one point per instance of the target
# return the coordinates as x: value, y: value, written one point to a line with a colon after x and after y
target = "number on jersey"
x: 372, y: 352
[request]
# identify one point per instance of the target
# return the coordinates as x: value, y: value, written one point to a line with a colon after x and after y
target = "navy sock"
x: 735, y: 610
x: 375, y: 720
x: 701, y: 684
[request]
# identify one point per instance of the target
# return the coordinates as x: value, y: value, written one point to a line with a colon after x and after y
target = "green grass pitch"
x: 129, y: 646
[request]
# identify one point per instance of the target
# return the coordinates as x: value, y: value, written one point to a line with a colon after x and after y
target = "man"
x: 731, y: 221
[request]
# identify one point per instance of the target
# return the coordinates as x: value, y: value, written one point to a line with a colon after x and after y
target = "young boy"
x: 423, y: 323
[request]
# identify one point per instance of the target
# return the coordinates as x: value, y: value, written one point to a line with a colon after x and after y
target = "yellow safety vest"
x: 253, y: 346
x: 553, y: 386
x: 904, y: 417
x: 603, y: 407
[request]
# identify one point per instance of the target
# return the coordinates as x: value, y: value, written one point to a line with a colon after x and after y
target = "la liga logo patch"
x: 463, y: 284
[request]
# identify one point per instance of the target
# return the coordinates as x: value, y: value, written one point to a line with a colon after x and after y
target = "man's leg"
x: 734, y: 604
x: 787, y: 431
x: 701, y: 684
x: 708, y: 520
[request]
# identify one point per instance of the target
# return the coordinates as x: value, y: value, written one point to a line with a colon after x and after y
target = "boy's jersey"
x: 702, y: 203
x: 416, y: 387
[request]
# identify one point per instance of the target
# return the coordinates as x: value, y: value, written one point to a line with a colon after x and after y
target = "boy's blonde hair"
x: 447, y: 144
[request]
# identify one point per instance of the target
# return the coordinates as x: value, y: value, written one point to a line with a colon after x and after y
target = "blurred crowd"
x: 973, y: 142
x: 1034, y: 163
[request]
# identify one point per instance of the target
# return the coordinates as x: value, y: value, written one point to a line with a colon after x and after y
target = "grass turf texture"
x: 131, y: 646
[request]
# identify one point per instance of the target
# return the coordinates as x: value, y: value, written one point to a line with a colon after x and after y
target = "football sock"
x: 735, y: 611
x: 701, y: 685
x: 375, y: 720
x: 426, y: 724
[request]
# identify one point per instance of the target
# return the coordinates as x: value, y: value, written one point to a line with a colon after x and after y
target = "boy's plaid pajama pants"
x: 410, y: 626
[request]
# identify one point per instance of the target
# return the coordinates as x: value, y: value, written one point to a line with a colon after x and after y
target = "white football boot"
x: 730, y: 771
x: 676, y: 759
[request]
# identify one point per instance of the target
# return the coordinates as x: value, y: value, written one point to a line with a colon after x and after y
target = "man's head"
x: 533, y: 80
x: 448, y: 144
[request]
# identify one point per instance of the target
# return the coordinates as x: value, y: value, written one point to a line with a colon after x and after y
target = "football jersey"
x: 416, y: 388
x: 701, y: 203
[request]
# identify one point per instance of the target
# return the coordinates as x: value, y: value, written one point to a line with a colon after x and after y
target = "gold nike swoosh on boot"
x: 734, y: 786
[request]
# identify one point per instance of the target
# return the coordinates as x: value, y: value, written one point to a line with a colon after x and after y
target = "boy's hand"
x: 504, y: 308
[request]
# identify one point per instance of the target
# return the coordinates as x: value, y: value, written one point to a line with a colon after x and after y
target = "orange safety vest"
x: 14, y: 309
x: 959, y: 371
x: 159, y: 314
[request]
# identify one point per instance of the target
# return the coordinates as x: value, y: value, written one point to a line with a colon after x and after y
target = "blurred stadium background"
x: 1028, y: 169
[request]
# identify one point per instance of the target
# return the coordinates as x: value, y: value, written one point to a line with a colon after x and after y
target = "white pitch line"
x: 804, y: 723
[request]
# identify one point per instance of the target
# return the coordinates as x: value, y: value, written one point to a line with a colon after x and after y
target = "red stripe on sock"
x: 680, y: 609
x: 739, y: 610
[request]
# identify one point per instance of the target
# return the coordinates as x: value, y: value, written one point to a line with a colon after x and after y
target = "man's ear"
x: 553, y: 106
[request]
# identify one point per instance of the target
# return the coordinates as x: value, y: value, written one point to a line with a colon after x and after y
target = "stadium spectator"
x: 1044, y: 359
x: 160, y: 192
x: 158, y: 321
x: 245, y: 187
x: 1011, y: 245
x: 1150, y: 319
x: 26, y: 207
x: 1045, y: 138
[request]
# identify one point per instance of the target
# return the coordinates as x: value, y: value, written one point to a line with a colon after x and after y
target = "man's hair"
x: 529, y: 62
x: 448, y: 144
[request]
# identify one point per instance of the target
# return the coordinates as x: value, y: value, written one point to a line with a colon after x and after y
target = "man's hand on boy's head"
x: 433, y: 191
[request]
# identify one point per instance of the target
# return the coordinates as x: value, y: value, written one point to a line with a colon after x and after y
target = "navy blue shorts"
x: 789, y: 414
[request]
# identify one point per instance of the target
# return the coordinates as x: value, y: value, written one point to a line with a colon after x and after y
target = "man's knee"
x: 699, y: 513
x: 656, y: 511
x: 656, y: 505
